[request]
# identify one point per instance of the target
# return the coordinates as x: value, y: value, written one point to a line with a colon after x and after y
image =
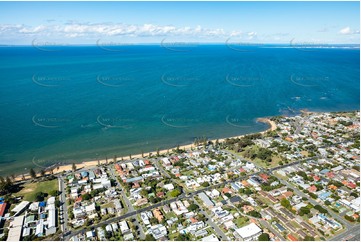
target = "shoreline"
x: 94, y: 163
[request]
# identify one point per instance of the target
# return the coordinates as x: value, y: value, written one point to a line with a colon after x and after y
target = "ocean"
x: 69, y: 104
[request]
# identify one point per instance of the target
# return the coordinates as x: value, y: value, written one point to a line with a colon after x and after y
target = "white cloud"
x: 75, y: 29
x: 348, y: 30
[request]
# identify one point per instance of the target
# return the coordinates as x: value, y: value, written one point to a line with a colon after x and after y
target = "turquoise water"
x: 69, y: 104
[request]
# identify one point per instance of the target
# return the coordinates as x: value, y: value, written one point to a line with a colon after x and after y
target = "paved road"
x: 162, y: 203
x: 266, y: 224
x: 63, y: 207
x: 352, y: 234
x: 129, y: 205
x: 215, y: 227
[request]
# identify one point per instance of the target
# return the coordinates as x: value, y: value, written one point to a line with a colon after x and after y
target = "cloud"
x: 74, y: 29
x: 348, y: 31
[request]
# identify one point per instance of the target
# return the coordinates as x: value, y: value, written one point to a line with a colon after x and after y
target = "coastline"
x: 94, y: 163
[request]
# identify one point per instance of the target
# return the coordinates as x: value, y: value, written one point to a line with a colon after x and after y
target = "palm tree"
x: 158, y: 152
x: 115, y: 159
x: 73, y: 167
x: 142, y: 153
x: 130, y: 156
x: 32, y: 173
x: 42, y: 173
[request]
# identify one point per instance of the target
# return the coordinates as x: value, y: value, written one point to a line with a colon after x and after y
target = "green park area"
x: 30, y: 190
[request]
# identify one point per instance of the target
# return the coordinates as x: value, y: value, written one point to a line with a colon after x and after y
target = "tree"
x: 174, y: 193
x: 115, y: 159
x: 320, y: 209
x: 193, y: 207
x: 285, y: 203
x: 73, y: 167
x: 183, y: 237
x: 86, y: 196
x: 205, y: 184
x: 304, y: 210
x: 263, y: 237
x: 53, y: 193
x: 309, y: 238
x: 32, y: 173
x: 143, y: 193
x: 42, y: 172
x: 149, y: 237
x: 39, y: 196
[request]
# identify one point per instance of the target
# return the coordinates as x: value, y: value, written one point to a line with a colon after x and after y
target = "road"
x: 215, y: 227
x: 63, y: 207
x: 267, y: 225
x: 129, y: 205
x: 351, y: 234
x: 162, y: 203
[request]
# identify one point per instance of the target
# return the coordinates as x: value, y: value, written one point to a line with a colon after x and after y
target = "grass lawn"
x: 108, y: 205
x: 169, y: 215
x: 241, y: 221
x: 259, y: 162
x: 29, y: 190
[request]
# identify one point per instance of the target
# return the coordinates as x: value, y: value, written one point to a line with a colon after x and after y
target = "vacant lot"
x: 29, y: 190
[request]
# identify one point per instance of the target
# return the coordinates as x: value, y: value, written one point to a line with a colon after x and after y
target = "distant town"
x: 298, y: 181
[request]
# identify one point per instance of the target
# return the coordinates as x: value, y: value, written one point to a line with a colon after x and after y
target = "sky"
x: 23, y: 23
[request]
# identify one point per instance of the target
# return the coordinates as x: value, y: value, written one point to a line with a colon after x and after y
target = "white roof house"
x: 90, y: 208
x: 249, y: 232
x: 20, y: 207
x: 210, y: 238
x: 169, y: 186
x: 124, y: 228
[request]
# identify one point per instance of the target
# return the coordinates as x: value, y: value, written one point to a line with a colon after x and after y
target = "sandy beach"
x: 93, y: 163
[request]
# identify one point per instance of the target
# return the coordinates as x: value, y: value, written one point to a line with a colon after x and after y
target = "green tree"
x: 193, y: 207
x: 285, y: 203
x: 86, y: 196
x: 149, y: 237
x: 174, y: 193
x: 32, y: 173
x: 309, y: 238
x: 73, y: 167
x: 205, y: 184
x: 42, y: 172
x: 53, y: 193
x: 263, y: 237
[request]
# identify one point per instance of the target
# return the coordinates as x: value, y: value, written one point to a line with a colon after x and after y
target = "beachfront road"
x: 63, y: 207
